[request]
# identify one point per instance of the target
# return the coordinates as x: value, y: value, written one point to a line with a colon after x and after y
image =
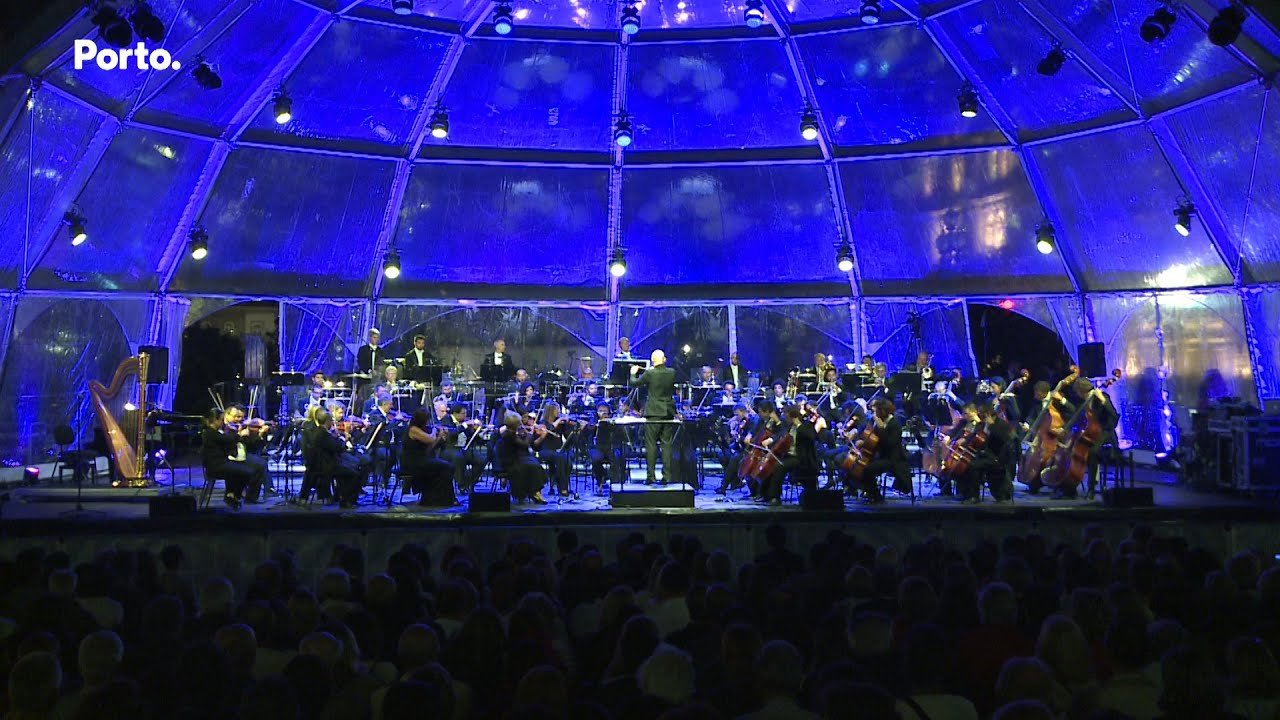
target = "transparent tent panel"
x: 962, y: 223
x: 372, y: 100
x: 1126, y: 325
x: 889, y: 86
x: 241, y: 56
x: 716, y: 226
x: 811, y: 328
x: 320, y: 336
x: 712, y: 95
x: 487, y: 226
x: 1121, y: 231
x: 1263, y: 306
x: 283, y: 223
x: 445, y: 9
x: 142, y: 184
x: 704, y: 329
x: 1003, y: 43
x: 1262, y: 223
x: 539, y: 95
x: 38, y: 158
x: 676, y: 14
x: 1206, y: 349
x: 887, y: 328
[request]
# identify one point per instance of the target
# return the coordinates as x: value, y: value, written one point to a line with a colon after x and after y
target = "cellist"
x: 801, y: 459
x: 768, y: 425
x: 989, y: 463
x: 889, y: 455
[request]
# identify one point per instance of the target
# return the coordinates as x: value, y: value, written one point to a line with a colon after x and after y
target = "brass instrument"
x: 126, y: 443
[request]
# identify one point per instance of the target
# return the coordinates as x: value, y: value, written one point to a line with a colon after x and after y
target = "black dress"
x: 422, y: 473
x: 525, y: 475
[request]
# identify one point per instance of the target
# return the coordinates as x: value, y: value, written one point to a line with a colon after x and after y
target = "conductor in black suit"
x: 661, y: 382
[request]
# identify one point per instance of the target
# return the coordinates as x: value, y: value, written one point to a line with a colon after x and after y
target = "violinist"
x: 469, y: 456
x: 890, y: 456
x: 425, y: 474
x: 224, y: 456
x: 608, y: 449
x: 742, y: 427
x: 330, y: 457
x: 525, y: 475
x: 383, y: 451
x: 549, y: 441
x: 801, y: 459
x: 255, y: 440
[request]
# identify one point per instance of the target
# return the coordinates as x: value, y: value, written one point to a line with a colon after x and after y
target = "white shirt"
x: 418, y: 354
x: 497, y: 358
x: 624, y: 355
x: 733, y: 370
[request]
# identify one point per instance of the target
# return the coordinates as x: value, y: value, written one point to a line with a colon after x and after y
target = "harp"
x: 123, y: 420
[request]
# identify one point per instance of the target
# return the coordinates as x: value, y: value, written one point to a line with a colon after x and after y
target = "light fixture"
x: 622, y: 130
x: 32, y: 89
x: 440, y: 123
x: 402, y: 7
x: 391, y: 265
x: 686, y: 349
x: 1157, y: 25
x: 206, y: 77
x: 146, y: 24
x: 112, y: 27
x: 844, y: 257
x: 618, y: 264
x: 283, y: 109
x: 1182, y: 217
x: 754, y: 14
x: 503, y: 20
x: 1045, y: 240
x: 1052, y: 61
x: 809, y: 124
x: 630, y: 19
x: 75, y: 227
x: 869, y: 12
x: 968, y: 101
x: 199, y: 243
x: 1224, y: 28
x: 166, y: 151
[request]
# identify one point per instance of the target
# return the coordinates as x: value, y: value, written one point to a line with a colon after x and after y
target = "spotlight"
x: 754, y: 14
x: 32, y: 89
x: 402, y: 7
x: 75, y: 227
x: 686, y: 349
x: 622, y: 131
x: 112, y: 27
x: 1224, y: 28
x: 1157, y: 25
x: 1182, y: 217
x: 206, y: 77
x: 844, y: 257
x: 440, y: 123
x: 870, y: 12
x: 146, y: 24
x: 968, y: 101
x: 1045, y: 238
x: 618, y: 264
x: 283, y: 109
x: 391, y: 265
x: 630, y: 19
x: 31, y: 475
x: 199, y: 243
x: 1052, y: 62
x: 809, y: 124
x: 503, y: 21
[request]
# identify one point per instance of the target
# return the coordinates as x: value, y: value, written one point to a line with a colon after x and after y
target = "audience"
x: 1019, y: 629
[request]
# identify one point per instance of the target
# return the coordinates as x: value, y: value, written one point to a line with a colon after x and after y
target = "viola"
x: 1046, y: 432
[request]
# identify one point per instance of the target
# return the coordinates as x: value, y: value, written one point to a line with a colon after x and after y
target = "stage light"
x: 754, y: 14
x: 146, y: 24
x: 968, y: 101
x: 391, y: 265
x: 809, y: 124
x: 283, y: 109
x: 630, y: 19
x: 1224, y: 28
x: 844, y: 257
x: 622, y: 131
x: 686, y: 349
x: 112, y: 27
x: 440, y: 123
x: 618, y: 265
x: 870, y: 12
x: 75, y: 227
x: 31, y: 475
x: 32, y: 89
x: 1006, y: 304
x: 503, y: 21
x: 1182, y: 217
x: 206, y: 77
x: 199, y: 243
x: 1157, y: 25
x: 1045, y: 240
x: 1052, y: 61
x: 402, y: 7
x: 166, y: 151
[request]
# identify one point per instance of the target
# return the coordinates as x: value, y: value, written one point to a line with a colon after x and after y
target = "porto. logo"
x: 138, y: 57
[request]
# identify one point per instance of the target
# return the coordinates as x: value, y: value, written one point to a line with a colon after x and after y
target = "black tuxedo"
x: 491, y: 370
x: 660, y: 405
x: 726, y: 375
x: 370, y: 359
x: 410, y: 359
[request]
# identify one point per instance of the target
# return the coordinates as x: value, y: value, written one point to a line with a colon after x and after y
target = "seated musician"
x: 335, y: 461
x: 378, y: 427
x: 586, y: 374
x: 528, y: 401
x: 223, y: 455
x: 889, y: 457
x: 1097, y: 402
x: 837, y: 440
x: 521, y: 378
x: 880, y: 374
x: 549, y: 442
x: 868, y: 366
x: 608, y: 449
x: 255, y: 443
x: 779, y: 397
x: 446, y: 393
x: 728, y: 395
x: 525, y: 475
x: 391, y: 379
x: 707, y: 377
x: 468, y: 453
x: 832, y: 396
x: 742, y: 427
x: 801, y: 459
x: 314, y: 399
x: 990, y: 464
x: 771, y: 423
x: 422, y: 471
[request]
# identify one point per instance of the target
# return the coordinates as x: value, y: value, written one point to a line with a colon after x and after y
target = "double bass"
x: 1072, y: 460
x: 1045, y: 433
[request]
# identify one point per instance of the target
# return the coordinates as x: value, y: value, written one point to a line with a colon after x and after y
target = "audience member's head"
x: 667, y: 675
x: 34, y: 683
x: 779, y: 670
x: 99, y: 656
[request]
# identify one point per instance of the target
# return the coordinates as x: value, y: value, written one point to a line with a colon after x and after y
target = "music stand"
x: 621, y: 372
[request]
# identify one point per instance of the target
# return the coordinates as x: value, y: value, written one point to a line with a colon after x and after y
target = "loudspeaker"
x: 1093, y: 359
x: 822, y: 500
x: 1128, y: 497
x: 167, y: 506
x: 489, y: 502
x: 158, y: 367
x: 670, y: 498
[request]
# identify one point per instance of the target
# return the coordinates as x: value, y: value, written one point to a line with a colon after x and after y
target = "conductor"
x: 661, y: 382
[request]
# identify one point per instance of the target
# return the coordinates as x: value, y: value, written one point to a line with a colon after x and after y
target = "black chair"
x: 211, y: 479
x: 79, y: 461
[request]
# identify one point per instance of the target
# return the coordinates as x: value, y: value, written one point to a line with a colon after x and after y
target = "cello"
x: 856, y: 462
x: 1046, y: 431
x: 756, y: 452
x: 1072, y: 460
x: 770, y: 457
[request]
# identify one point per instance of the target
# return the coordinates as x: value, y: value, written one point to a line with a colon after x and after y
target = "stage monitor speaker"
x: 1093, y: 359
x: 1128, y: 497
x: 168, y: 506
x: 489, y: 502
x: 822, y: 500
x: 158, y: 367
